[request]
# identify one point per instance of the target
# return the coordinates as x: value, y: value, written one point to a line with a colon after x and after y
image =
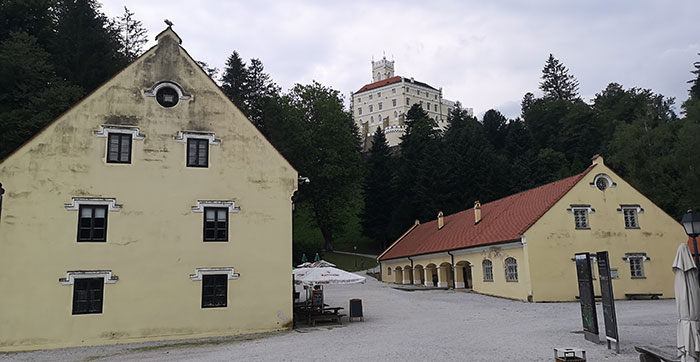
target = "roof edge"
x: 397, y: 240
x: 455, y: 249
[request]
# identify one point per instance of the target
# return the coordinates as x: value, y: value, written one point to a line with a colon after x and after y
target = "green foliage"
x: 131, y: 35
x: 378, y: 191
x: 557, y: 83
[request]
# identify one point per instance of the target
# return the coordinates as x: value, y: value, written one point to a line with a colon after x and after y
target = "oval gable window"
x: 167, y: 97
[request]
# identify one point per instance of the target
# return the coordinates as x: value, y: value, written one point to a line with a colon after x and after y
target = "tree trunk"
x: 328, y: 237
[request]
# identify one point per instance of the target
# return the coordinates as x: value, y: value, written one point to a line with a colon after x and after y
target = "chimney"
x: 441, y: 220
x: 417, y: 222
x: 597, y: 159
x: 477, y: 212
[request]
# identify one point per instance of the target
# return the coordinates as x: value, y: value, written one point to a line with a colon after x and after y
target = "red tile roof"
x: 501, y: 221
x: 381, y: 83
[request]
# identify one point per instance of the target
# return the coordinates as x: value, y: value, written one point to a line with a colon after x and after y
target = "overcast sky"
x: 484, y: 54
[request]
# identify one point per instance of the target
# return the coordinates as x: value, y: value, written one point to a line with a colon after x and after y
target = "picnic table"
x: 314, y: 313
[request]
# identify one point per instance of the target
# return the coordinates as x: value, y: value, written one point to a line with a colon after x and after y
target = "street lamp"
x: 691, y: 223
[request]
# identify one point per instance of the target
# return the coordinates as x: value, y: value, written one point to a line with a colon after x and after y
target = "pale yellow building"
x: 523, y: 246
x: 153, y: 209
x: 385, y: 102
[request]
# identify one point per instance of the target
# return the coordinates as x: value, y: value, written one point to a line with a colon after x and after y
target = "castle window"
x: 581, y: 215
x: 197, y: 152
x: 359, y: 111
x: 379, y: 94
x: 87, y: 295
x: 428, y: 106
x: 418, y: 92
x: 629, y: 214
x: 214, y: 290
x: 436, y: 96
x: 119, y: 148
x: 371, y: 119
x: 215, y: 224
x: 487, y: 265
x: 92, y: 223
x: 408, y: 101
x: 511, y: 269
x: 393, y: 102
x: 380, y: 106
x: 371, y: 108
x: 396, y: 114
x: 393, y: 90
x: 436, y: 108
x: 370, y: 96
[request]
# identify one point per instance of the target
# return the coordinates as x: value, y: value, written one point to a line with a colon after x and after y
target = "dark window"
x: 87, y: 295
x: 197, y: 152
x: 214, y: 290
x: 215, y: 224
x: 92, y: 223
x: 119, y: 148
x: 167, y: 97
x: 630, y: 218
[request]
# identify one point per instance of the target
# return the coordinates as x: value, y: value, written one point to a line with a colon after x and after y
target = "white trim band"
x: 111, y: 202
x: 71, y: 276
x: 199, y: 272
x: 230, y: 204
x: 105, y: 130
x: 182, y: 136
x: 180, y: 92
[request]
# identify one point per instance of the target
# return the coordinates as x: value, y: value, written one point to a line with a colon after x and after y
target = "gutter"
x: 452, y: 269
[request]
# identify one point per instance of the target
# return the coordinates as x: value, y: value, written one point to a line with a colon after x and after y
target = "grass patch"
x: 350, y: 262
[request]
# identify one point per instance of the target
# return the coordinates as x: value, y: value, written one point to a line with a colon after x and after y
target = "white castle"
x: 384, y: 103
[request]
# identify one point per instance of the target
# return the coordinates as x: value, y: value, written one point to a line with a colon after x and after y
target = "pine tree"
x: 557, y: 83
x: 131, y: 34
x: 378, y: 191
x: 234, y: 81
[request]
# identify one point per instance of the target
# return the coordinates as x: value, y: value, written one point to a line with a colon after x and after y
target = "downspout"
x: 381, y: 275
x: 452, y: 269
x: 412, y: 270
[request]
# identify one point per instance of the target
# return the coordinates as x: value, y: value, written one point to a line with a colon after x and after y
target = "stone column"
x: 442, y: 276
x: 416, y: 276
x: 428, y: 277
x: 406, y: 276
x: 459, y: 277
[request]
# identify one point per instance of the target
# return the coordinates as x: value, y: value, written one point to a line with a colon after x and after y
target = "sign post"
x: 587, y: 298
x: 606, y: 290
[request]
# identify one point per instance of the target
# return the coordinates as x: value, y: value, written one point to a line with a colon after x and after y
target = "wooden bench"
x: 326, y: 317
x: 632, y: 296
x: 652, y: 354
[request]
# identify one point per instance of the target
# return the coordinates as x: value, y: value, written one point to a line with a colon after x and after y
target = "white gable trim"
x: 77, y: 201
x: 72, y: 275
x: 105, y: 130
x: 230, y: 204
x: 180, y: 93
x: 199, y: 272
x: 182, y: 136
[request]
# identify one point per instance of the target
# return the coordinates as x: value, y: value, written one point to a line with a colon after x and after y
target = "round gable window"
x: 167, y: 97
x: 601, y: 184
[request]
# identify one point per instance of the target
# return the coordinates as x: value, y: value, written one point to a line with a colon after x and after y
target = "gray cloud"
x: 486, y: 55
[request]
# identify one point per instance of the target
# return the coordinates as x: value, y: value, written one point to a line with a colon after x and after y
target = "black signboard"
x: 606, y: 290
x: 356, y: 309
x: 585, y: 292
x: 317, y: 297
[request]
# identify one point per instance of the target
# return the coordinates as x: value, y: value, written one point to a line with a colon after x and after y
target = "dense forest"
x: 54, y: 52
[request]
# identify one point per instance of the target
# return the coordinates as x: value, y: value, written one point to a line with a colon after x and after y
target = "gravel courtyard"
x: 435, y: 325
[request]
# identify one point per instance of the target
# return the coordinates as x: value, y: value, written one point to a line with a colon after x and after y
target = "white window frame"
x: 636, y: 259
x: 199, y: 272
x: 581, y: 211
x: 487, y: 268
x: 630, y: 212
x: 511, y: 270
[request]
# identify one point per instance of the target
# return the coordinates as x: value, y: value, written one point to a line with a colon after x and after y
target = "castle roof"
x: 502, y: 221
x: 392, y: 80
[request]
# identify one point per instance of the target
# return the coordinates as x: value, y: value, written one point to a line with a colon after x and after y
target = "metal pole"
x: 697, y: 257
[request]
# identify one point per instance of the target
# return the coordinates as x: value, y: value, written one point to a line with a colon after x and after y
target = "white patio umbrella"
x: 327, y: 275
x: 687, y: 301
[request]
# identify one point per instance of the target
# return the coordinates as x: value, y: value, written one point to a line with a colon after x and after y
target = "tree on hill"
x: 131, y: 34
x: 557, y: 83
x: 378, y: 191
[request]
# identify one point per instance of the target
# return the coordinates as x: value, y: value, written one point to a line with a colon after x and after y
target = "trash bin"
x: 568, y: 354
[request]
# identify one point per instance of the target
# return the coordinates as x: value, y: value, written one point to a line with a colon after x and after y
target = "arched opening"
x: 445, y: 278
x: 463, y: 275
x: 407, y: 275
x: 398, y: 275
x: 418, y: 275
x: 431, y: 275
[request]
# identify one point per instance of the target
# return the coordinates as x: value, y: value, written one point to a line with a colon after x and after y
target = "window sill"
x: 639, y: 277
x: 216, y: 241
x: 635, y: 228
x: 588, y: 228
x: 488, y: 281
x: 511, y: 281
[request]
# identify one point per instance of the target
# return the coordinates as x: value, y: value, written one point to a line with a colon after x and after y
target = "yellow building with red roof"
x: 523, y: 246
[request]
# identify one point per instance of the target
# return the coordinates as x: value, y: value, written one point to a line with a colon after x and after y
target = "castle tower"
x: 382, y: 69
